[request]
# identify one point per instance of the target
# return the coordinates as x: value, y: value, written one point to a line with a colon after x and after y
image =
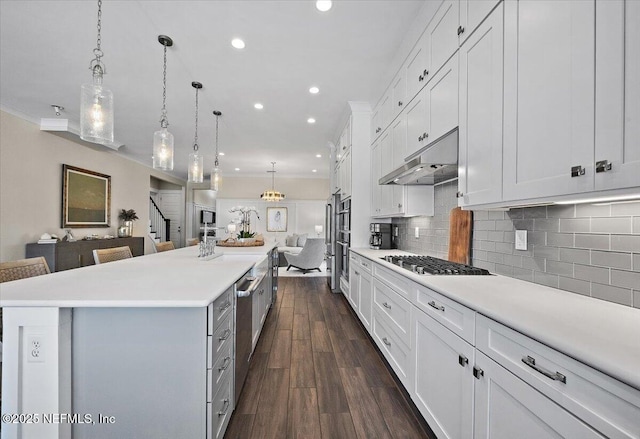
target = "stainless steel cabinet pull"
x: 432, y: 304
x: 425, y: 73
x: 460, y: 30
x: 225, y: 364
x: 556, y: 376
x: 425, y: 135
x: 357, y: 274
x: 603, y: 166
x: 226, y: 407
x: 462, y: 360
x: 386, y: 305
x: 420, y: 78
x: 226, y: 305
x: 577, y: 171
x: 365, y: 265
x: 385, y: 341
x: 477, y: 372
x: 420, y: 139
x: 459, y: 194
x: 226, y: 334
x: 400, y: 104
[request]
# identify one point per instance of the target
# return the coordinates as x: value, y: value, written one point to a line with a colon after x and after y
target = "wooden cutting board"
x: 460, y: 226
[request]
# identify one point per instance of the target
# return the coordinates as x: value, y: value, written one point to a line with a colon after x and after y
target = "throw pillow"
x: 291, y: 241
x: 302, y: 239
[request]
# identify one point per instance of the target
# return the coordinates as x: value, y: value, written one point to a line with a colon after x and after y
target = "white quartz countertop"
x: 176, y: 278
x: 603, y: 335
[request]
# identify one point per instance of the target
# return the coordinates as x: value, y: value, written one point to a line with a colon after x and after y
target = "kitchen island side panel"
x: 146, y: 367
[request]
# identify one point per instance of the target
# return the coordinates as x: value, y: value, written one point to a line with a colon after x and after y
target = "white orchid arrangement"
x: 244, y: 220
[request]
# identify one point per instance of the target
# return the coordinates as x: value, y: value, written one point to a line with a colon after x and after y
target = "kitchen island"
x: 139, y: 345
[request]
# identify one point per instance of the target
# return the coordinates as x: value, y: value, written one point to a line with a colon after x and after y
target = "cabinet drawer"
x: 396, y: 281
x: 219, y: 309
x: 395, y: 351
x: 395, y: 308
x: 365, y: 264
x: 457, y: 318
x: 219, y: 410
x: 222, y: 367
x: 221, y: 338
x: 606, y: 404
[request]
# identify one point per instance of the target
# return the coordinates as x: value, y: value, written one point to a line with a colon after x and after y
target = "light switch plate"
x: 521, y: 239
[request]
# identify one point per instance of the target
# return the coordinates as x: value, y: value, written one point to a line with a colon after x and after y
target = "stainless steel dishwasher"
x: 244, y: 289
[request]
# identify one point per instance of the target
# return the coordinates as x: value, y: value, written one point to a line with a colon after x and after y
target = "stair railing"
x: 160, y: 224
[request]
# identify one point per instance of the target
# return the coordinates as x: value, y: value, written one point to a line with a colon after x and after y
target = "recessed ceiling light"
x: 314, y: 170
x: 222, y: 153
x: 237, y: 169
x: 314, y: 90
x: 311, y: 120
x: 323, y: 5
x: 237, y: 43
x: 258, y: 106
x: 318, y: 155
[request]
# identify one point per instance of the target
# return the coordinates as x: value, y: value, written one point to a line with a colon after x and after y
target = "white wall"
x: 31, y: 185
x: 303, y: 216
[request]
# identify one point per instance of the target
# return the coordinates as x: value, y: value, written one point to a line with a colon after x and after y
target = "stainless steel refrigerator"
x: 333, y: 256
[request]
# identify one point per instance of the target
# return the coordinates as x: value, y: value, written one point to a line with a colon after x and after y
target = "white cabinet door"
x: 480, y: 103
x: 354, y: 286
x: 443, y: 386
x: 507, y: 407
x: 398, y: 93
x: 386, y: 110
x: 442, y: 35
x: 442, y: 98
x: 346, y: 174
x: 386, y: 166
x: 375, y: 176
x: 417, y: 123
x: 417, y: 66
x: 472, y: 12
x: 549, y: 98
x: 617, y: 94
x: 376, y: 127
x: 366, y: 298
x: 399, y: 152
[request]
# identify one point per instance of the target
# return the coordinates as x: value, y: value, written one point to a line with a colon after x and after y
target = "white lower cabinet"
x: 395, y: 349
x: 507, y: 407
x: 443, y: 385
x: 366, y: 299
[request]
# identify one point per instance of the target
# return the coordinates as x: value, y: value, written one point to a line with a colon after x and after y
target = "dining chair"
x: 164, y: 246
x: 192, y: 241
x: 100, y: 256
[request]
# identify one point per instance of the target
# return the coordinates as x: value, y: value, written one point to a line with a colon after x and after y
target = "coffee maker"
x: 382, y: 236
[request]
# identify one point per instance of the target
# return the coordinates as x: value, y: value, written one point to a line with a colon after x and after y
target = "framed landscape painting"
x: 276, y: 219
x: 86, y: 198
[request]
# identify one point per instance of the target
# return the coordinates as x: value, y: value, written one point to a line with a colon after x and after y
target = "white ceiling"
x: 46, y: 46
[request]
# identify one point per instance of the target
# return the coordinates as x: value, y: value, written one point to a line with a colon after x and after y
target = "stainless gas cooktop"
x: 429, y: 265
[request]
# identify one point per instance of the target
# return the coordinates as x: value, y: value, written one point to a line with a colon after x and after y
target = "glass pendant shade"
x: 163, y: 150
x: 216, y: 179
x: 196, y: 163
x: 96, y: 113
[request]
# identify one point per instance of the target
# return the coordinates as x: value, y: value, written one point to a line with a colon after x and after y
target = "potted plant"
x: 245, y: 235
x: 126, y: 217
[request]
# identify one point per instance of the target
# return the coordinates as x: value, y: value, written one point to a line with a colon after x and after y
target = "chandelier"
x: 272, y: 195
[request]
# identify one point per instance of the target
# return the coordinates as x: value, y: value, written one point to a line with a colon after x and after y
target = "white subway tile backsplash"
x: 585, y: 249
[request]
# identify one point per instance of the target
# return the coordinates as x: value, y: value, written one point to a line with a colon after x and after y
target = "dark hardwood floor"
x: 316, y: 374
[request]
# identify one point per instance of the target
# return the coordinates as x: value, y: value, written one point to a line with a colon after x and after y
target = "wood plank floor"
x: 316, y: 374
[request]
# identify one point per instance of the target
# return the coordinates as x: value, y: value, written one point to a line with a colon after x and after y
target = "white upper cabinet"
x: 548, y: 98
x: 442, y: 98
x: 417, y: 66
x: 375, y: 176
x: 376, y: 129
x: 417, y: 122
x: 472, y: 12
x: 617, y: 150
x: 398, y: 93
x: 442, y: 35
x: 399, y: 140
x: 480, y: 130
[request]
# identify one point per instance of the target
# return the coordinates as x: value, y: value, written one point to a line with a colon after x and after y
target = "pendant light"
x: 163, y: 139
x: 196, y: 161
x: 96, y: 102
x: 215, y: 173
x: 272, y: 195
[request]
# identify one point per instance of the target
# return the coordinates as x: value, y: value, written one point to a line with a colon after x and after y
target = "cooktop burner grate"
x: 430, y: 265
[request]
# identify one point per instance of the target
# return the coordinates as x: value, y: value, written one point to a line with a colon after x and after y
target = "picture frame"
x: 277, y: 219
x: 86, y: 198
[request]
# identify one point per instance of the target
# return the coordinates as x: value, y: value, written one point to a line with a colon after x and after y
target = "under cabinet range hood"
x: 435, y: 163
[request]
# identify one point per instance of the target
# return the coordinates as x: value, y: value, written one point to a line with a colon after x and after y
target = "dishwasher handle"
x: 255, y: 281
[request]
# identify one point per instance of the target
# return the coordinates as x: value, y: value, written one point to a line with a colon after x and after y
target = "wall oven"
x: 344, y: 236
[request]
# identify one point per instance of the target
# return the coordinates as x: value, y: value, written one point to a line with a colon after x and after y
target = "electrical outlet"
x: 521, y: 239
x: 417, y: 232
x: 35, y: 349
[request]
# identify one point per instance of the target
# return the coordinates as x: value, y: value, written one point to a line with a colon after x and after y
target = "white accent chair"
x: 309, y: 258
